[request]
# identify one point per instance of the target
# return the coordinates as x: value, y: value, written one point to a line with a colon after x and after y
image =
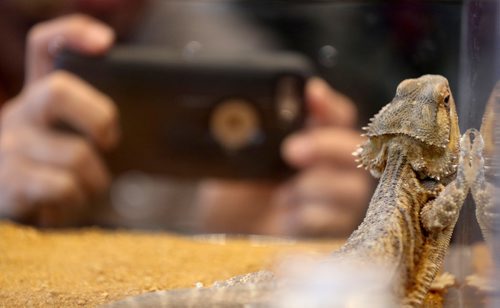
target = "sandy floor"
x: 89, y: 267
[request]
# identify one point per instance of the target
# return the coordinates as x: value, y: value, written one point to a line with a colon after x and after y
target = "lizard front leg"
x: 438, y: 217
x: 443, y: 211
x: 487, y: 213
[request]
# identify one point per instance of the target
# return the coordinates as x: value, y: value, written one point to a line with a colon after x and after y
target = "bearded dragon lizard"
x: 414, y: 146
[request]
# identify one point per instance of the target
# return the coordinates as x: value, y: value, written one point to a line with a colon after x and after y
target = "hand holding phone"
x: 208, y: 115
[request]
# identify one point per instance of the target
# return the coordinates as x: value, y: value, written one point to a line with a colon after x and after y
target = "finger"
x: 26, y: 186
x: 222, y: 203
x: 76, y: 32
x: 318, y: 219
x: 324, y: 200
x: 327, y: 106
x: 63, y: 151
x: 329, y: 145
x: 326, y: 184
x: 301, y: 217
x: 62, y: 97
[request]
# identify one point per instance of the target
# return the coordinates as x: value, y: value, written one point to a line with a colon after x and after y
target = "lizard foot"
x: 443, y: 282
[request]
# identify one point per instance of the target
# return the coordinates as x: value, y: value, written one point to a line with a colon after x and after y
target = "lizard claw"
x: 477, y: 143
x: 467, y: 140
x: 470, y: 142
x: 476, y: 155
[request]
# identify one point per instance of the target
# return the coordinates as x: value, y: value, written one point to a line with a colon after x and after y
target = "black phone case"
x: 199, y: 116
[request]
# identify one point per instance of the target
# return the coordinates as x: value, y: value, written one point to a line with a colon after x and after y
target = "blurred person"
x: 47, y: 177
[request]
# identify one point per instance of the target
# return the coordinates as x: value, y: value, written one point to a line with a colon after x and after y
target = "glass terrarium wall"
x: 478, y: 105
x: 362, y: 48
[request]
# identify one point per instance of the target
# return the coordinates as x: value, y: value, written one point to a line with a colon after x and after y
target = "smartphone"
x: 202, y: 115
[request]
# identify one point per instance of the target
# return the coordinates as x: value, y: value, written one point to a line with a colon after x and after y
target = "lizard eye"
x: 447, y: 102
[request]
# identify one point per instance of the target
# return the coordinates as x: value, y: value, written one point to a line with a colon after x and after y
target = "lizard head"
x: 422, y: 117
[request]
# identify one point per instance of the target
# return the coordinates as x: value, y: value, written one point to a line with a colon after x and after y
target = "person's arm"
x: 46, y: 174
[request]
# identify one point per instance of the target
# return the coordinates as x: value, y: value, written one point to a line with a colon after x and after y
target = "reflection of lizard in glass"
x: 484, y: 180
x: 486, y: 168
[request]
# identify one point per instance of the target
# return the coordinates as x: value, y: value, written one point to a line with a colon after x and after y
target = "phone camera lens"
x: 234, y: 124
